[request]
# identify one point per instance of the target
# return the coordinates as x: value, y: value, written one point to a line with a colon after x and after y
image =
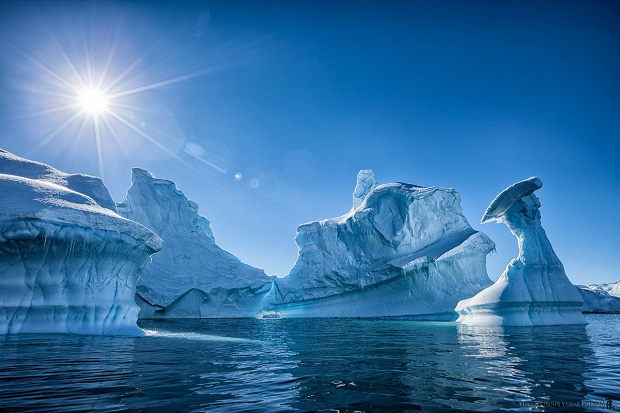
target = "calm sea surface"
x: 288, y: 365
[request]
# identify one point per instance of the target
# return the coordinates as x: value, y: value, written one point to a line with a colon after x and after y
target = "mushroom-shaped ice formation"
x: 533, y: 289
x: 68, y: 262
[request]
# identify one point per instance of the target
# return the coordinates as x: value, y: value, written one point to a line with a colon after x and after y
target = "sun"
x: 93, y: 101
x: 93, y: 93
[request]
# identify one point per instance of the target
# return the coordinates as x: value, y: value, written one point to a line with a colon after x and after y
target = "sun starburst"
x: 96, y: 94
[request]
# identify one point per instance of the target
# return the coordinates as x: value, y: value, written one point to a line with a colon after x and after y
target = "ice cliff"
x: 68, y: 262
x: 402, y: 251
x: 192, y: 277
x: 533, y: 290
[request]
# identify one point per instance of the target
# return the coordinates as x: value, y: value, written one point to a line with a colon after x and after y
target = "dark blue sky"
x: 295, y: 97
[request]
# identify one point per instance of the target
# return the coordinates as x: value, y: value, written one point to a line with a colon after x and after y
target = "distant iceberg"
x: 533, y: 290
x: 68, y: 261
x: 612, y: 289
x: 192, y: 277
x: 600, y: 298
x: 402, y: 251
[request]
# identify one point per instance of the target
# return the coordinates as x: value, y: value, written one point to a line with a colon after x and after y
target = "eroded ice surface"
x: 402, y: 251
x: 192, y: 277
x: 534, y: 289
x: 68, y: 261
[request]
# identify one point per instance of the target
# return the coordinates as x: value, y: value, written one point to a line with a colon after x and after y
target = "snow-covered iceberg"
x: 192, y: 277
x: 600, y: 298
x: 402, y: 251
x: 534, y: 289
x: 68, y: 262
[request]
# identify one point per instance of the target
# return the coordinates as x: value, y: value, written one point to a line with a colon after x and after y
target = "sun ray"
x: 56, y: 109
x: 79, y: 135
x: 99, y: 148
x: 49, y: 71
x: 71, y: 66
x: 209, y: 163
x: 118, y: 105
x: 156, y: 143
x: 47, y: 92
x: 106, y: 67
x: 115, y: 136
x: 157, y: 85
x: 144, y: 135
x: 89, y: 68
x: 52, y: 135
x: 124, y: 74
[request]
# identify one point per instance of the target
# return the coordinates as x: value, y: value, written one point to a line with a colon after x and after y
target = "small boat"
x: 271, y: 314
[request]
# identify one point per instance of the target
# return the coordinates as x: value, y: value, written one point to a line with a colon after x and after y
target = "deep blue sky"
x: 297, y: 96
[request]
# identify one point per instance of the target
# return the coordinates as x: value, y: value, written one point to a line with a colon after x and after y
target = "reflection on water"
x: 286, y: 365
x: 60, y: 372
x: 196, y: 336
x: 530, y: 364
x: 603, y: 378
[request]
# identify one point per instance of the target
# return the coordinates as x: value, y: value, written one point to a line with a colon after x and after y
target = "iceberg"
x: 603, y: 298
x: 191, y: 277
x: 534, y: 289
x: 402, y: 251
x: 68, y: 262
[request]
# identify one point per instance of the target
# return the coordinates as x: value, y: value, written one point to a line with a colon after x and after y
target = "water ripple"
x: 288, y: 365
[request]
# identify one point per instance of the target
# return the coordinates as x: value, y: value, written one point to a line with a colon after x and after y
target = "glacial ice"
x: 612, y: 289
x: 534, y: 289
x: 402, y: 251
x: 365, y: 183
x: 600, y: 298
x: 68, y: 261
x: 191, y: 277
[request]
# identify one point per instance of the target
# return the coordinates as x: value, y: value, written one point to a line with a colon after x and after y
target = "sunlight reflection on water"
x: 197, y: 336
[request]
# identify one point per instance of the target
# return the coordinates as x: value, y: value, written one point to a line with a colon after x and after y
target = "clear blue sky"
x: 263, y: 112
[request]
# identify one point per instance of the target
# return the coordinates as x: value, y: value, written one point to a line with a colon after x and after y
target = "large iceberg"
x: 533, y: 290
x: 192, y: 277
x: 68, y: 262
x: 402, y: 251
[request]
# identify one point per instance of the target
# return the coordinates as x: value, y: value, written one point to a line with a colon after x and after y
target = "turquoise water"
x: 287, y: 365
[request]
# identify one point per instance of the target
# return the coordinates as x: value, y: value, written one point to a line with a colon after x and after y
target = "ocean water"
x: 325, y: 365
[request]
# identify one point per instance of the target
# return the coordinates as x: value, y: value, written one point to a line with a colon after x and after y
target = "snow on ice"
x: 68, y: 262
